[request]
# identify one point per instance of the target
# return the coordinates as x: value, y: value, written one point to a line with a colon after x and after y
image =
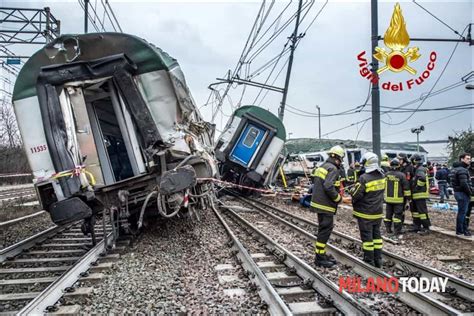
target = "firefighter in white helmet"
x: 324, y: 201
x: 367, y: 200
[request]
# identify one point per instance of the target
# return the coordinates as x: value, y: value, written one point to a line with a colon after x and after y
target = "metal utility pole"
x: 294, y: 39
x: 375, y: 85
x: 86, y: 15
x: 319, y: 120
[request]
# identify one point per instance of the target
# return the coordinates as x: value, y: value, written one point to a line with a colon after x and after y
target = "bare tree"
x: 9, y: 133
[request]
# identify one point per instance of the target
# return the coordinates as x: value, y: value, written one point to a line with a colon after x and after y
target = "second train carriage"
x: 107, y: 120
x: 249, y: 148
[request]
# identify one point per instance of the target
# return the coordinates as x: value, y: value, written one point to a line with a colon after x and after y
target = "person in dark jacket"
x: 324, y: 201
x: 397, y: 191
x: 419, y: 194
x: 471, y: 202
x: 367, y: 201
x: 460, y: 181
x: 405, y: 166
x: 442, y: 176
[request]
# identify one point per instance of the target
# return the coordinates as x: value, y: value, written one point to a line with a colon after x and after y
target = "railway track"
x: 10, y: 195
x: 288, y: 284
x: 460, y: 292
x: 36, y: 272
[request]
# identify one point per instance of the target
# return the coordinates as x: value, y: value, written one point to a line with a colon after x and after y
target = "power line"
x: 354, y: 110
x: 431, y: 122
x: 434, y: 85
x: 106, y: 12
x: 273, y: 83
x: 316, y: 16
x: 447, y: 108
x: 441, y: 21
x: 346, y: 127
x: 113, y: 15
x: 243, y: 56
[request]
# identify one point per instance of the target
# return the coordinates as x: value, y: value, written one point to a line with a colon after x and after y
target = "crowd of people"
x: 402, y: 183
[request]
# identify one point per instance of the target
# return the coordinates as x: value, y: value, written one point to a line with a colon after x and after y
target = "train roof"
x: 306, y: 145
x: 266, y: 116
x: 146, y: 56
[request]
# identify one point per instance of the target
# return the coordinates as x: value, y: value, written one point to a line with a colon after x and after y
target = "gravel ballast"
x: 423, y: 249
x: 172, y: 269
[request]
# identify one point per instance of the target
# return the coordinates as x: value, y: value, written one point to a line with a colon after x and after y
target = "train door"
x: 247, y: 144
x: 114, y: 135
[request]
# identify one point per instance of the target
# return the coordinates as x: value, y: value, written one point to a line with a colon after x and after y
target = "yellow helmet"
x: 338, y: 151
x: 385, y: 157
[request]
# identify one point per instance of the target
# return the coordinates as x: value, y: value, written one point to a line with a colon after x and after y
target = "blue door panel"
x: 247, y: 144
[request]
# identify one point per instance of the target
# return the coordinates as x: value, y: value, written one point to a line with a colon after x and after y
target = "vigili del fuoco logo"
x: 397, y: 58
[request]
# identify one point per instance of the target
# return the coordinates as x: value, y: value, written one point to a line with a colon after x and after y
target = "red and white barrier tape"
x: 267, y: 191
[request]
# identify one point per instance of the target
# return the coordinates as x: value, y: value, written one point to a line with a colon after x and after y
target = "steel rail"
x: 266, y: 291
x: 419, y: 301
x: 30, y: 242
x: 50, y: 295
x: 20, y: 219
x: 341, y: 300
x: 464, y: 289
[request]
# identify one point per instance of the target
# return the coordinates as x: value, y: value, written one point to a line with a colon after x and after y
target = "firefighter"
x: 324, y: 201
x: 353, y: 173
x: 407, y: 169
x: 419, y: 193
x: 367, y: 201
x: 397, y: 191
x: 385, y: 164
x: 405, y: 166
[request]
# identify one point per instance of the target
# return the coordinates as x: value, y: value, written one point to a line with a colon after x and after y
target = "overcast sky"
x: 207, y: 39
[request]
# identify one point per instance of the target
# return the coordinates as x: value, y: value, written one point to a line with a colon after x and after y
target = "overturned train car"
x: 249, y: 149
x: 108, y: 122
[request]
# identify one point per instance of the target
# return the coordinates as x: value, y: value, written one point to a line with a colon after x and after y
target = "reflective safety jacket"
x: 368, y: 196
x: 352, y: 175
x: 397, y: 187
x: 327, y: 180
x: 419, y: 184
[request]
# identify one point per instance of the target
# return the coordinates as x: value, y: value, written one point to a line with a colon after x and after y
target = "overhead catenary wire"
x: 285, y: 25
x: 273, y: 82
x: 441, y: 21
x: 434, y: 85
x: 89, y: 17
x: 286, y: 49
x: 250, y: 52
x: 430, y: 122
x: 113, y: 15
x: 106, y: 13
x: 403, y: 105
x: 243, y: 56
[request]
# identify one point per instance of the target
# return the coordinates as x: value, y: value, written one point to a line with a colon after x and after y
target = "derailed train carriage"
x: 249, y: 149
x: 108, y: 122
